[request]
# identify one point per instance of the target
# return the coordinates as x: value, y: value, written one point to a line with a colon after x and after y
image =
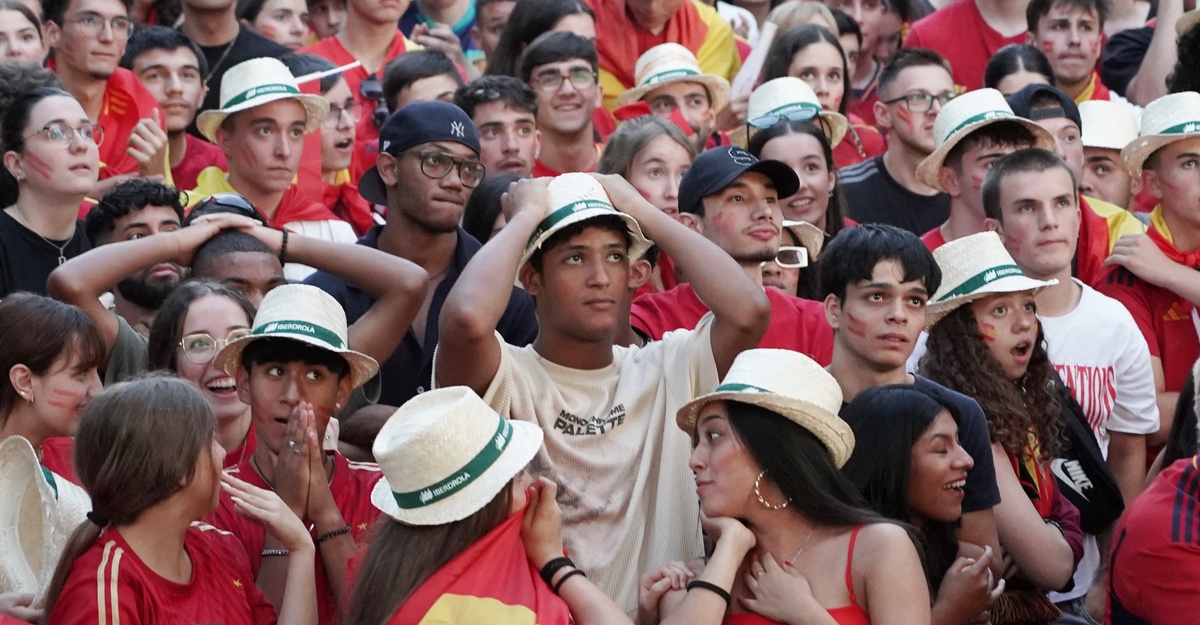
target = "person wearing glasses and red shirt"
x: 562, y: 68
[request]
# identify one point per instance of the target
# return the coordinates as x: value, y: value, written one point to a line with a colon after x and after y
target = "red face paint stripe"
x: 40, y: 167
x: 856, y: 326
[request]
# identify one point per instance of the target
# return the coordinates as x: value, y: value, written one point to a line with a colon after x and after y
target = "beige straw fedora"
x: 669, y: 63
x: 37, y: 517
x: 1107, y: 125
x: 973, y: 267
x: 254, y: 83
x: 787, y: 383
x: 1187, y: 22
x: 791, y: 98
x: 810, y: 236
x: 574, y: 198
x: 445, y: 454
x: 304, y: 313
x: 1166, y: 120
x: 966, y: 114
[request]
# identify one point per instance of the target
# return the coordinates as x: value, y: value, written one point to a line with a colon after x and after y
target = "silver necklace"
x: 62, y: 249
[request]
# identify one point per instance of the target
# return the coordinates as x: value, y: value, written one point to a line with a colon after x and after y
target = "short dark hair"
x: 556, y: 47
x: 610, y: 223
x: 1002, y: 133
x: 483, y: 207
x: 846, y: 25
x: 853, y: 254
x: 906, y: 58
x: 55, y: 10
x: 150, y: 38
x: 1037, y: 9
x: 129, y: 196
x: 227, y: 242
x: 304, y: 63
x: 408, y: 68
x: 1021, y: 161
x: 529, y: 19
x: 507, y: 89
x: 283, y: 350
x: 795, y: 40
x: 1013, y: 58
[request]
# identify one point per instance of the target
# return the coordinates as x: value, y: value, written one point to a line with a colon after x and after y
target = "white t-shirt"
x: 611, y: 444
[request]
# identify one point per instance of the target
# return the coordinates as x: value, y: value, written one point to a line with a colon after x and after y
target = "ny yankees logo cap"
x: 414, y: 124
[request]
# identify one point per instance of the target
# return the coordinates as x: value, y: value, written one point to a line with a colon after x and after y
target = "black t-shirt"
x: 874, y: 196
x: 248, y: 45
x: 1123, y: 56
x: 26, y: 259
x: 981, y: 491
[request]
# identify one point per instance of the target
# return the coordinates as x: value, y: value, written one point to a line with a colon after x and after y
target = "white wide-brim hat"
x: 37, y: 518
x: 1187, y: 22
x: 1107, y: 125
x: 965, y: 114
x: 254, y: 83
x: 445, y: 454
x: 574, y: 198
x: 809, y: 236
x: 1171, y: 118
x: 303, y: 313
x: 791, y: 98
x: 974, y: 267
x: 669, y: 63
x: 789, y: 384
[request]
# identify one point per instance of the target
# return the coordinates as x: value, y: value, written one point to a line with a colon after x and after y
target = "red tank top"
x: 845, y: 615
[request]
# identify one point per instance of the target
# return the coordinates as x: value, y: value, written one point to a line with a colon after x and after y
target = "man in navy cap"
x: 427, y: 166
x: 732, y: 198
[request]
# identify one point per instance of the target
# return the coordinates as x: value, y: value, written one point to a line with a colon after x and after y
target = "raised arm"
x: 398, y: 285
x: 468, y: 353
x: 740, y: 307
x: 1038, y: 548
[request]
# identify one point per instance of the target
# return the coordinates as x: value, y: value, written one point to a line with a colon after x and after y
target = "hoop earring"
x: 764, y: 502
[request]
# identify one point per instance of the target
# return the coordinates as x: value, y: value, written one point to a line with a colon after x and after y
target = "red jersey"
x: 1155, y: 563
x: 366, y: 135
x: 796, y: 324
x: 351, y: 487
x: 860, y: 143
x: 199, y: 154
x: 110, y: 585
x: 542, y: 170
x: 933, y: 239
x: 57, y: 453
x: 959, y: 33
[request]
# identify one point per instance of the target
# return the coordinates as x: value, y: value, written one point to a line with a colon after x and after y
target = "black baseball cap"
x: 1022, y: 103
x: 715, y: 169
x: 416, y: 123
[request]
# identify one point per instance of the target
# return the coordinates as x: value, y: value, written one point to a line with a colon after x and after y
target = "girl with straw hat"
x: 468, y: 536
x: 795, y: 541
x: 985, y: 342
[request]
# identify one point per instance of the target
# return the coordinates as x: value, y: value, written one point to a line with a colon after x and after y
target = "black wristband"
x: 345, y: 529
x: 283, y: 248
x: 553, y: 567
x: 567, y: 576
x: 711, y: 587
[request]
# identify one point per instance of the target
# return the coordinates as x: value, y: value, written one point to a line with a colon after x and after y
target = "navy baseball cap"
x: 414, y: 124
x: 715, y: 169
x: 1022, y: 102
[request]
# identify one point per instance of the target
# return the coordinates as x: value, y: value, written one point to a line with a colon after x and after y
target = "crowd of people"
x: 599, y: 311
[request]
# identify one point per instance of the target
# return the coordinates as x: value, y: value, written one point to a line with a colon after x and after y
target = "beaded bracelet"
x: 345, y: 529
x: 283, y: 248
x: 567, y: 576
x: 274, y: 552
x: 711, y: 587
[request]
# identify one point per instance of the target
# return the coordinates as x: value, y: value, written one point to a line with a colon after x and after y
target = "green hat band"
x: 792, y: 107
x: 982, y: 279
x: 1181, y: 129
x: 255, y: 92
x: 559, y: 215
x: 734, y: 387
x: 462, y: 477
x: 303, y: 328
x: 984, y: 116
x: 671, y: 74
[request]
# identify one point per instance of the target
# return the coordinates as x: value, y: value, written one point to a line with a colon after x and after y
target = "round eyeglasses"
x: 61, y: 134
x: 200, y: 347
x: 437, y: 165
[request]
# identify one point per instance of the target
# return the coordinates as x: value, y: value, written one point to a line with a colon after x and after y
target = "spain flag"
x: 491, y: 582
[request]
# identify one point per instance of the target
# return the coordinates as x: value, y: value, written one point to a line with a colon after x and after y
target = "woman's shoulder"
x: 878, y: 540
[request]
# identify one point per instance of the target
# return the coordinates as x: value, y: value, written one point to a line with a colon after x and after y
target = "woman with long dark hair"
x: 794, y: 540
x: 147, y: 455
x: 909, y: 466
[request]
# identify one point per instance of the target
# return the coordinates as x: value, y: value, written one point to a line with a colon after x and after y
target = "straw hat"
x: 790, y: 97
x: 36, y: 519
x: 254, y: 83
x: 1166, y: 120
x: 974, y: 267
x: 787, y: 383
x: 810, y: 236
x: 574, y: 198
x: 306, y: 314
x: 1107, y: 125
x: 445, y: 454
x: 669, y: 63
x: 966, y: 114
x: 1187, y: 22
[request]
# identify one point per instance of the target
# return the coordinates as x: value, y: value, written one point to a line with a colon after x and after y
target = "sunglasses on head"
x: 371, y: 89
x: 225, y: 203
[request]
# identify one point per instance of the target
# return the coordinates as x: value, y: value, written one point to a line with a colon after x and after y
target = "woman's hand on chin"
x: 730, y: 531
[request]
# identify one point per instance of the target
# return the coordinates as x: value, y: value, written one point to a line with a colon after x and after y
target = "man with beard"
x: 427, y: 166
x: 885, y: 189
x: 132, y: 210
x: 88, y: 38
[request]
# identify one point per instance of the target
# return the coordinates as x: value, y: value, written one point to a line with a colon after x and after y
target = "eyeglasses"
x: 580, y: 79
x: 437, y: 164
x: 353, y: 109
x: 225, y: 203
x: 61, y: 134
x: 766, y: 121
x: 922, y: 102
x: 371, y: 89
x: 92, y: 25
x: 200, y: 348
x: 791, y: 257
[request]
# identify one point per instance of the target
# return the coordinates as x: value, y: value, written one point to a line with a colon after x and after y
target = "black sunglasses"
x: 371, y: 89
x: 225, y: 203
